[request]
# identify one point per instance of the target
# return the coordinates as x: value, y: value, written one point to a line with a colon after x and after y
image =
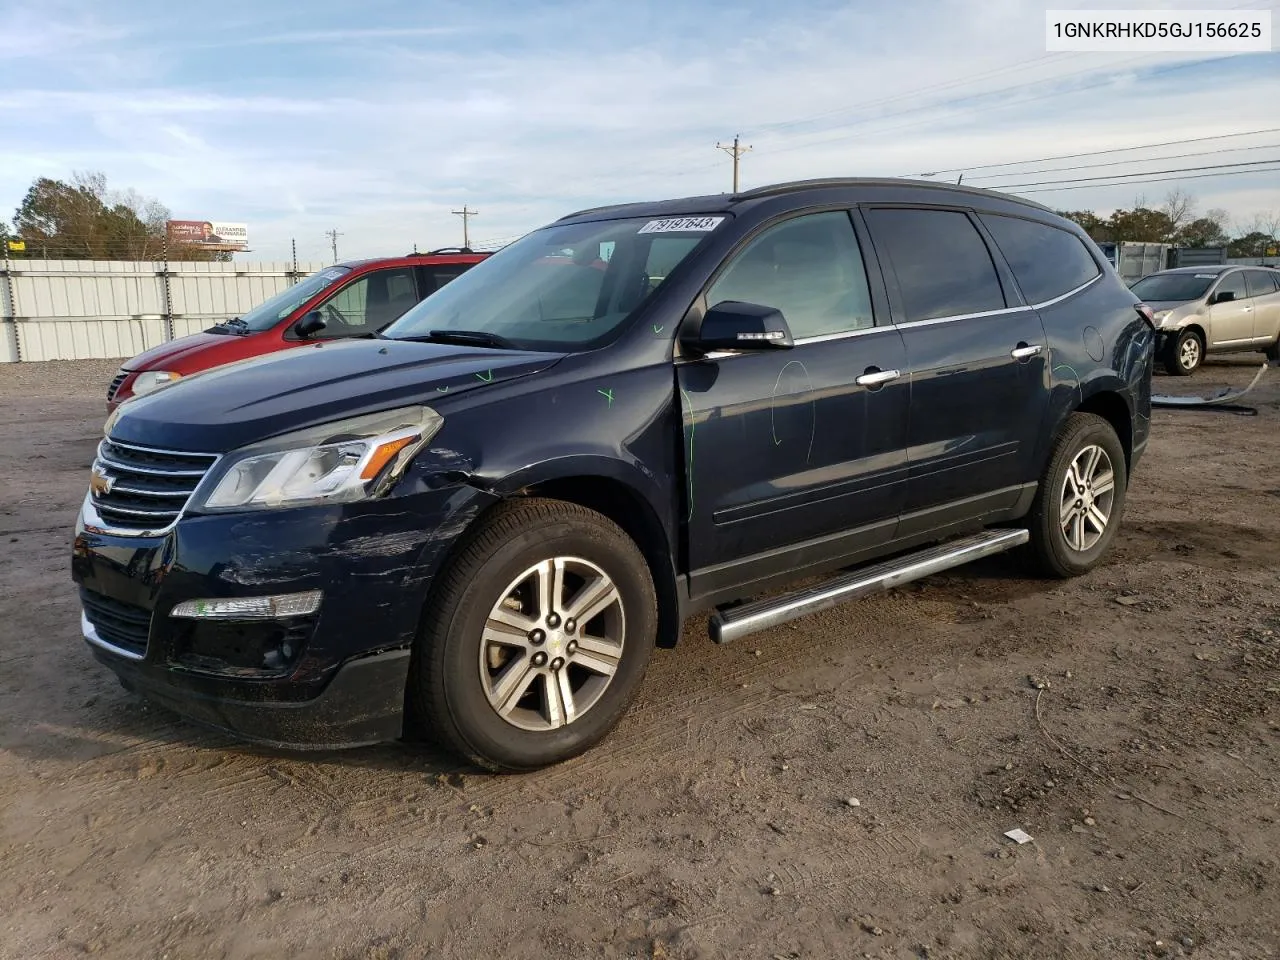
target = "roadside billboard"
x: 213, y: 234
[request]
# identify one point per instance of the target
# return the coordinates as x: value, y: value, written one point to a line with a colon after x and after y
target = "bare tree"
x: 1267, y: 222
x: 1221, y: 217
x: 1179, y: 207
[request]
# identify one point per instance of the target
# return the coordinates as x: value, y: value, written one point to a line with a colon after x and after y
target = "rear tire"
x: 1184, y: 354
x: 1080, y: 500
x: 1273, y: 352
x: 502, y: 673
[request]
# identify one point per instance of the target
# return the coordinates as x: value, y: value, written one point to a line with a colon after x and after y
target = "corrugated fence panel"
x: 98, y: 309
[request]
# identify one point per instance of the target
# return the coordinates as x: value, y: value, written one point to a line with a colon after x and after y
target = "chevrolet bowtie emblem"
x: 100, y: 483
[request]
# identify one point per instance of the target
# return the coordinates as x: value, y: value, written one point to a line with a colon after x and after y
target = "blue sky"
x: 379, y: 118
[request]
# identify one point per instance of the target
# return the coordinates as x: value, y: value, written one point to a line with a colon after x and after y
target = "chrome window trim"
x: 952, y: 318
x: 1003, y: 311
x: 823, y: 338
x: 1069, y: 293
x: 90, y: 634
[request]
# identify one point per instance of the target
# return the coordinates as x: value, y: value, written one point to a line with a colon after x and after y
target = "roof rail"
x: 440, y: 251
x: 609, y: 206
x: 820, y: 184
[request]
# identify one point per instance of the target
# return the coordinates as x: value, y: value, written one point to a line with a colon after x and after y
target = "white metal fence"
x: 102, y: 309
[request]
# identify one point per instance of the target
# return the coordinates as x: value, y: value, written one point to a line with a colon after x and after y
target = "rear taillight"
x: 1146, y: 313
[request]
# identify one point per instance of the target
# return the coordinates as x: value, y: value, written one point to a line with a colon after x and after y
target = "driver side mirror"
x: 311, y: 324
x: 1224, y: 296
x: 733, y: 325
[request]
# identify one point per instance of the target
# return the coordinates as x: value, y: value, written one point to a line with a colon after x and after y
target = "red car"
x: 352, y: 299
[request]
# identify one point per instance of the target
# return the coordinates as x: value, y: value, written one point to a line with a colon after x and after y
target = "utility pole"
x: 333, y: 236
x: 734, y: 151
x: 466, y: 216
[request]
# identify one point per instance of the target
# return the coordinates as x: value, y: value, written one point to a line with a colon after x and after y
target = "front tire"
x: 535, y: 639
x: 1077, y: 509
x: 1184, y: 354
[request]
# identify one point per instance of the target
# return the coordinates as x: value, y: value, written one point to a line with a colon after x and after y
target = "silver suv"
x: 1216, y: 309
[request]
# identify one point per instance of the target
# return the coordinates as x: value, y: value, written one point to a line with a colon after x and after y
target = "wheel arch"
x: 626, y: 506
x: 1196, y: 327
x: 1107, y: 396
x: 1112, y: 407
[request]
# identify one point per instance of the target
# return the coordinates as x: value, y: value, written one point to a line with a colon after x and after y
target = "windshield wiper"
x: 479, y: 338
x: 236, y: 324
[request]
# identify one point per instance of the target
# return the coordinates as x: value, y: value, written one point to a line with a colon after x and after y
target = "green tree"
x: 1252, y: 244
x: 5, y: 236
x: 1092, y: 224
x: 1141, y: 224
x: 1207, y: 231
x: 83, y: 220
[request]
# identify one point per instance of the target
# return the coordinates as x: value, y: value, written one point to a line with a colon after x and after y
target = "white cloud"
x: 385, y: 139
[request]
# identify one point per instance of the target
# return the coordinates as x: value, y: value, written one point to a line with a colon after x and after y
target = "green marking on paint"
x: 487, y: 376
x: 658, y: 328
x: 444, y: 389
x: 607, y: 394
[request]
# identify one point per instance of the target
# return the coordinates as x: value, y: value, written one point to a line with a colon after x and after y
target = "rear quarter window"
x: 1046, y: 261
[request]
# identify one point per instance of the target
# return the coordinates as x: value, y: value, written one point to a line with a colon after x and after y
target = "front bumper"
x: 363, y: 703
x: 335, y: 678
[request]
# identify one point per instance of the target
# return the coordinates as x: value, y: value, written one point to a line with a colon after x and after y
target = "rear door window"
x: 1046, y: 261
x: 940, y: 261
x: 1260, y: 282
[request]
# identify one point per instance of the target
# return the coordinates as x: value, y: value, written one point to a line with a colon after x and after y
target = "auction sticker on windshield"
x: 682, y: 225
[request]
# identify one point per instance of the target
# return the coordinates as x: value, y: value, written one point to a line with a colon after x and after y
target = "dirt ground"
x: 838, y: 787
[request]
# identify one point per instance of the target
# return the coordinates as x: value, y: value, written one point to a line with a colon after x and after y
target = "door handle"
x: 874, y: 377
x: 1023, y: 350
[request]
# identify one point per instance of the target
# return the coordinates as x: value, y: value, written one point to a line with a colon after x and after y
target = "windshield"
x: 267, y: 314
x: 1173, y: 286
x: 565, y: 287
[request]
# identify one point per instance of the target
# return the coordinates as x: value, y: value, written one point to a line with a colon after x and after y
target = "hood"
x: 228, y: 407
x: 165, y: 355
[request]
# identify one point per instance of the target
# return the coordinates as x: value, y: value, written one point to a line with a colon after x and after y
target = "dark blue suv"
x: 476, y: 525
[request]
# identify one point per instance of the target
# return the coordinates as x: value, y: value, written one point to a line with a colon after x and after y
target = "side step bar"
x: 726, y: 625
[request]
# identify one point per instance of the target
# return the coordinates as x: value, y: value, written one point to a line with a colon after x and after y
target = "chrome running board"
x: 726, y: 625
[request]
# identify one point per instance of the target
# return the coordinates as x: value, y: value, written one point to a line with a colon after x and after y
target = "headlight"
x: 356, y: 459
x: 1162, y: 315
x: 152, y: 380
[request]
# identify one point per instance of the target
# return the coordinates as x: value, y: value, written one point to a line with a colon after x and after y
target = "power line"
x: 1004, y: 105
x: 1143, y: 183
x: 1112, y: 163
x: 1099, y: 153
x: 935, y: 87
x: 1121, y: 176
x: 961, y: 81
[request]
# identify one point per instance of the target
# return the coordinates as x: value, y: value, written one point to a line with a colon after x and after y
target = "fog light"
x: 250, y: 608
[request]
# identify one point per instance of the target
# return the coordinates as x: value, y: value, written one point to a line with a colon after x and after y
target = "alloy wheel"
x: 552, y: 644
x: 1088, y: 493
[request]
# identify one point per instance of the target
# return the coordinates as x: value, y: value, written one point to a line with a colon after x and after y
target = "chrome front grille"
x: 141, y: 489
x: 115, y: 384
